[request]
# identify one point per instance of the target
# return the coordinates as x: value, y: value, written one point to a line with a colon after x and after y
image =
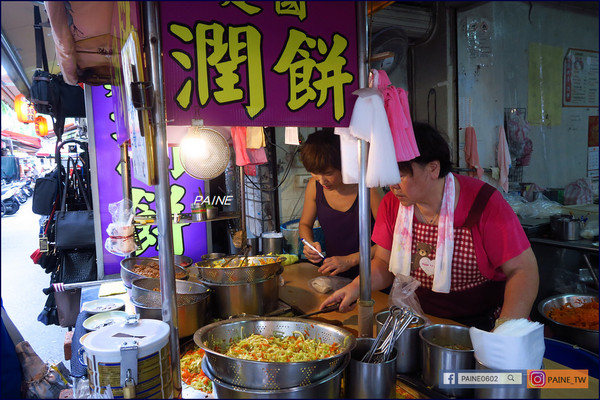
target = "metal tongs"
x: 395, y: 324
x: 245, y: 250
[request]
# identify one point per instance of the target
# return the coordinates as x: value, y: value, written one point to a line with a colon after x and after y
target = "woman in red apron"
x: 457, y: 236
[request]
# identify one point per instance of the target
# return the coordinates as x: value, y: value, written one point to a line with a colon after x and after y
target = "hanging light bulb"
x: 204, y: 152
x: 41, y: 126
x: 24, y: 109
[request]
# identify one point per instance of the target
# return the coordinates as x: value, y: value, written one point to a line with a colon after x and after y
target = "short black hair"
x: 321, y: 151
x: 432, y: 147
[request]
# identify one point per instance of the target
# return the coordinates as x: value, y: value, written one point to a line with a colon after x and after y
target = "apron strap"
x: 479, y: 204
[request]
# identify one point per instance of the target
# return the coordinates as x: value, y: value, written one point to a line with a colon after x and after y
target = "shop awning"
x: 28, y: 143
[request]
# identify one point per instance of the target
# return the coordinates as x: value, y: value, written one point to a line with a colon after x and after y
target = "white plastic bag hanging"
x: 120, y: 239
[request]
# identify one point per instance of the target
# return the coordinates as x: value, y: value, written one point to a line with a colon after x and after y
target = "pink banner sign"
x: 243, y: 63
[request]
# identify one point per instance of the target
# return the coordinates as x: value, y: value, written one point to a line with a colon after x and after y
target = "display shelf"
x: 183, y: 218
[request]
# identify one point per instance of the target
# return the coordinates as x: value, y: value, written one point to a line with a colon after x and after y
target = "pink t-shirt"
x: 497, y: 237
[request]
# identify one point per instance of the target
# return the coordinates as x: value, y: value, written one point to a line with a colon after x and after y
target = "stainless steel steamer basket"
x: 144, y: 291
x: 215, y: 338
x: 128, y: 263
x: 210, y: 271
x: 326, y: 388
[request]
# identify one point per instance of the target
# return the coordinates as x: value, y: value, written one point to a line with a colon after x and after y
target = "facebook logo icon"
x: 449, y: 378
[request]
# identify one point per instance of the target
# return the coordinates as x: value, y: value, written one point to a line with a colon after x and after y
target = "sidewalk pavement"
x: 22, y: 284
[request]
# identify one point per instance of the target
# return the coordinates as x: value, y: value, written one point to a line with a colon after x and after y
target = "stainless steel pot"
x: 257, y: 298
x: 190, y: 317
x: 408, y: 345
x: 437, y: 357
x: 586, y: 338
x: 565, y: 227
x: 272, y: 243
x: 192, y: 303
x: 364, y: 380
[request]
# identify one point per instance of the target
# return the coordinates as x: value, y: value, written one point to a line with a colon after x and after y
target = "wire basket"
x: 255, y: 268
x: 215, y: 338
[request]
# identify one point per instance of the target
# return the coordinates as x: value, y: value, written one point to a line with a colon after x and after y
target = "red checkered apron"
x: 472, y: 295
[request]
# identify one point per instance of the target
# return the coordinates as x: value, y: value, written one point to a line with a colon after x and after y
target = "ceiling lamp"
x: 204, y: 152
x: 41, y: 126
x: 24, y: 109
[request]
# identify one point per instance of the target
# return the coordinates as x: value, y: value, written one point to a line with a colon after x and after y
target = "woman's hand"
x: 335, y: 265
x: 312, y: 255
x: 346, y: 296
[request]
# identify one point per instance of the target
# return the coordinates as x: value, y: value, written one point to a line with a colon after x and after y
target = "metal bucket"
x: 364, y: 380
x: 436, y: 357
x: 408, y: 345
x: 272, y: 243
x: 257, y: 298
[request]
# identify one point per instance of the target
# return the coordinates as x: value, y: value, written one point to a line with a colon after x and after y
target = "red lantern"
x: 41, y: 126
x: 24, y: 109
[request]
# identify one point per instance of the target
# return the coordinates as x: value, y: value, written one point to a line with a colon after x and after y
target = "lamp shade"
x: 204, y: 153
x: 41, y: 126
x: 25, y: 111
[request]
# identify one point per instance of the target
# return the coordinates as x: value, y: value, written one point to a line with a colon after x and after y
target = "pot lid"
x: 148, y: 334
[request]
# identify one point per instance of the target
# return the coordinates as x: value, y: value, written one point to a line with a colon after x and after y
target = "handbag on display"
x: 74, y: 229
x: 44, y: 193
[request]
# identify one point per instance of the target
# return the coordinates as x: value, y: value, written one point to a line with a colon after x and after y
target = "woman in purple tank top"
x: 334, y: 203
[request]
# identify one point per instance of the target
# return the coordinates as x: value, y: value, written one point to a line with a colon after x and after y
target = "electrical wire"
x: 285, y: 175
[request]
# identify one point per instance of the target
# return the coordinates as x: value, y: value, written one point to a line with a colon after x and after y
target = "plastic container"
x: 291, y: 234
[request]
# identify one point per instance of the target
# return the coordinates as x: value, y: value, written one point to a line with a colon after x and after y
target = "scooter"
x: 10, y: 204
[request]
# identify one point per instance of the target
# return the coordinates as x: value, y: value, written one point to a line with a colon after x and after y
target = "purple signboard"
x: 188, y: 239
x: 244, y: 63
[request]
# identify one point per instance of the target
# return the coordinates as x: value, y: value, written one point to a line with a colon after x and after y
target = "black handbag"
x: 74, y: 229
x: 44, y: 193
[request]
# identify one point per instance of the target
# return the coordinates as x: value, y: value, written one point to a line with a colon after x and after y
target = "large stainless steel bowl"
x: 215, y: 338
x: 127, y: 264
x: 326, y: 388
x: 586, y: 338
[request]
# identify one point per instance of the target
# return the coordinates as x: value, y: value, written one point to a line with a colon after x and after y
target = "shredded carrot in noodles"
x: 287, y: 349
x: 585, y: 317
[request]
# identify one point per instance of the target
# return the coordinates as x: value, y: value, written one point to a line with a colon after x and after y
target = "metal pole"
x: 162, y: 189
x: 243, y: 206
x: 365, y: 303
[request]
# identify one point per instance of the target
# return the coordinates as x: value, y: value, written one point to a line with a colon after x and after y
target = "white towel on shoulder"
x: 400, y: 257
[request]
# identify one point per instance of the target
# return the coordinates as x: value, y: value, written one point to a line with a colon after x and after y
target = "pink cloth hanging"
x: 471, y: 153
x: 244, y: 156
x: 398, y: 113
x: 503, y: 159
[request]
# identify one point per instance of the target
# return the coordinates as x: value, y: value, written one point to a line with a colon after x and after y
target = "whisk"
x: 398, y: 320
